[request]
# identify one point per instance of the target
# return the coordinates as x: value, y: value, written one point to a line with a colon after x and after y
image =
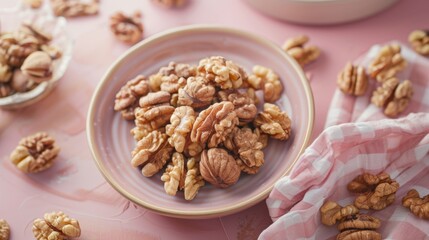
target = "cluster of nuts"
x: 392, y: 95
x: 26, y: 59
x: 351, y: 224
x: 296, y: 49
x: 376, y: 192
x: 35, y: 153
x: 128, y: 29
x: 419, y: 40
x: 202, y: 122
x: 74, y: 8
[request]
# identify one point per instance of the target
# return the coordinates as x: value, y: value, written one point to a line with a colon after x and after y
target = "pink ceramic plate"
x: 111, y: 142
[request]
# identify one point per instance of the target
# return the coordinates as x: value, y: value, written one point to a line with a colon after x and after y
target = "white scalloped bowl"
x: 10, y: 20
x: 111, y: 142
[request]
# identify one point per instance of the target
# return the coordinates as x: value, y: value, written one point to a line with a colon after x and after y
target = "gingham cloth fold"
x: 358, y: 139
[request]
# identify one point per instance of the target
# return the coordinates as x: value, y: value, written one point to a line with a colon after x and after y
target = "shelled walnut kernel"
x: 128, y: 29
x: 303, y: 55
x: 393, y: 96
x: 4, y: 230
x: 387, y: 63
x: 352, y: 80
x: 35, y: 153
x: 419, y: 40
x: 56, y: 226
x: 74, y: 8
x: 419, y: 206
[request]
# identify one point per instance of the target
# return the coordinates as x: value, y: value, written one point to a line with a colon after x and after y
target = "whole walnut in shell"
x: 219, y: 168
x: 56, y: 226
x: 35, y: 153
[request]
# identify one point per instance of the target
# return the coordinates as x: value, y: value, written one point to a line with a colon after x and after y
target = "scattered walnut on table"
x: 128, y: 29
x: 152, y: 152
x: 181, y: 122
x: 56, y: 226
x: 266, y: 79
x: 387, y: 63
x: 359, y: 226
x: 170, y: 3
x: 274, y: 122
x: 221, y: 72
x: 296, y: 49
x: 419, y: 206
x: 214, y: 124
x: 127, y: 99
x: 393, y: 96
x: 196, y: 93
x: 35, y: 153
x: 419, y: 40
x: 353, y: 80
x: 219, y: 168
x: 4, y: 230
x: 376, y: 192
x: 74, y: 8
x: 331, y: 212
x: 359, y: 234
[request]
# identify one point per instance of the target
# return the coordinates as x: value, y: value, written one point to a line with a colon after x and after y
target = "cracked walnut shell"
x: 303, y: 55
x: 196, y: 93
x: 56, y: 226
x: 35, y: 153
x: 128, y: 29
x: 419, y: 40
x: 331, y: 212
x: 268, y: 80
x: 214, y: 124
x: 174, y: 175
x: 152, y: 152
x: 223, y: 73
x: 419, y: 206
x: 4, y: 230
x: 219, y: 168
x: 274, y: 122
x: 181, y: 122
x: 353, y: 80
x: 387, y: 63
x: 393, y: 96
x: 127, y: 99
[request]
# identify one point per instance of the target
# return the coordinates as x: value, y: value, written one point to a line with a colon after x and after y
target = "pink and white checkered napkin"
x: 359, y: 139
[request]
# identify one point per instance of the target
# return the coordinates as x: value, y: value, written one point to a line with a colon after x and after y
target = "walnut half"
x: 35, y: 153
x: 128, y: 29
x: 274, y: 122
x: 353, y: 80
x: 331, y: 212
x: 56, y: 226
x: 419, y: 40
x: 419, y: 206
x: 303, y: 55
x: 4, y: 230
x: 387, y: 63
x: 393, y: 96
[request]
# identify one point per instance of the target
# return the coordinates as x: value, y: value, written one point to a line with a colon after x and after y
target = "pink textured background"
x: 74, y: 184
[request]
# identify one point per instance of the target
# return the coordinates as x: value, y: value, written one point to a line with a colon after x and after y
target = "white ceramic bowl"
x: 319, y: 12
x: 10, y: 20
x: 111, y: 142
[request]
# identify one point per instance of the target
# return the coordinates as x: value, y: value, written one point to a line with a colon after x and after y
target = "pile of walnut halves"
x: 26, y: 59
x: 202, y: 122
x: 392, y: 95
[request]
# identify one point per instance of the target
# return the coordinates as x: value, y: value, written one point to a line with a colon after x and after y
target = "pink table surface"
x: 74, y: 184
